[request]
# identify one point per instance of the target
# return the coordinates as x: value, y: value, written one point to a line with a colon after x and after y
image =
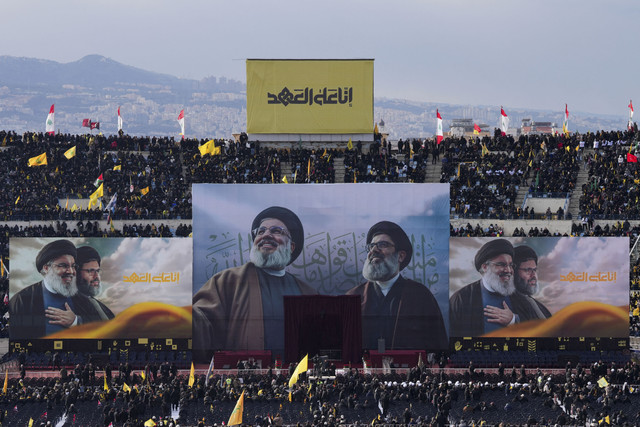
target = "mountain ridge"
x: 94, y: 86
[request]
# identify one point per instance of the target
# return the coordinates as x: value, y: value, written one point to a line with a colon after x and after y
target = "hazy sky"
x: 517, y: 53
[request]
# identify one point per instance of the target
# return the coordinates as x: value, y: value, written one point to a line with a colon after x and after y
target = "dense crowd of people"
x: 430, y: 395
x: 148, y: 180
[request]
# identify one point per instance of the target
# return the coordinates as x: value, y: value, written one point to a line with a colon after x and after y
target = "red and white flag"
x: 181, y: 121
x: 504, y: 122
x: 439, y: 133
x: 630, y: 124
x: 119, y: 120
x: 50, y: 126
x: 565, y: 123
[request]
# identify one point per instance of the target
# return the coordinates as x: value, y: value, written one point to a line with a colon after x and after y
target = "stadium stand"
x: 494, y: 182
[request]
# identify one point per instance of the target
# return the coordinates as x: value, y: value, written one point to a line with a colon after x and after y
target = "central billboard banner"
x: 309, y: 96
x: 254, y: 245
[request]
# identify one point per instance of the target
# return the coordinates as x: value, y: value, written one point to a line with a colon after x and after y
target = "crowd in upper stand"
x: 614, y: 182
x: 485, y: 173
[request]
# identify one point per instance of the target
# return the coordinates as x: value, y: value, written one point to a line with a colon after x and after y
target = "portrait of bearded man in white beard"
x: 491, y: 303
x: 63, y: 283
x: 54, y: 303
x: 400, y: 311
x: 383, y: 269
x: 277, y: 259
x: 501, y: 282
x: 242, y: 307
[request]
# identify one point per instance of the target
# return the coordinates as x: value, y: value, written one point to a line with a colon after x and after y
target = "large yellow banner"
x: 310, y: 96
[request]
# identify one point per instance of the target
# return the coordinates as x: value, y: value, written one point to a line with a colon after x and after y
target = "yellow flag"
x: 602, y: 382
x: 17, y: 200
x: 375, y: 129
x: 350, y: 144
x: 192, y: 376
x: 40, y: 160
x: 149, y: 423
x: 6, y: 381
x: 285, y: 180
x: 74, y: 208
x: 30, y: 422
x: 144, y: 190
x: 70, y: 153
x: 142, y: 374
x: 236, y: 415
x: 106, y: 387
x: 207, y: 147
x: 216, y: 151
x: 97, y: 193
x: 302, y: 367
x: 117, y: 168
x: 125, y: 387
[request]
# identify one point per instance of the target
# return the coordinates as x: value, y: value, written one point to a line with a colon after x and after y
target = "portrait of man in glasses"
x: 89, y: 282
x: 242, y: 308
x: 525, y: 260
x: 54, y: 303
x: 492, y: 302
x: 401, y: 311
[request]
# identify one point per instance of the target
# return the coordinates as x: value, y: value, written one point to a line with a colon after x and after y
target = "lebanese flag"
x: 630, y: 124
x: 119, y: 120
x: 631, y: 158
x: 504, y: 122
x: 86, y: 123
x: 438, y: 127
x: 565, y: 123
x: 181, y: 121
x: 50, y: 127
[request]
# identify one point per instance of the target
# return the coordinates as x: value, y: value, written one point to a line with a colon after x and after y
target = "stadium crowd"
x: 149, y: 179
x: 429, y: 395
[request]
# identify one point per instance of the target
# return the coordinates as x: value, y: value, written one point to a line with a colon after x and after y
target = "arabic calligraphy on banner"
x: 331, y: 263
x: 609, y: 276
x: 323, y: 96
x: 149, y: 278
x: 309, y: 96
